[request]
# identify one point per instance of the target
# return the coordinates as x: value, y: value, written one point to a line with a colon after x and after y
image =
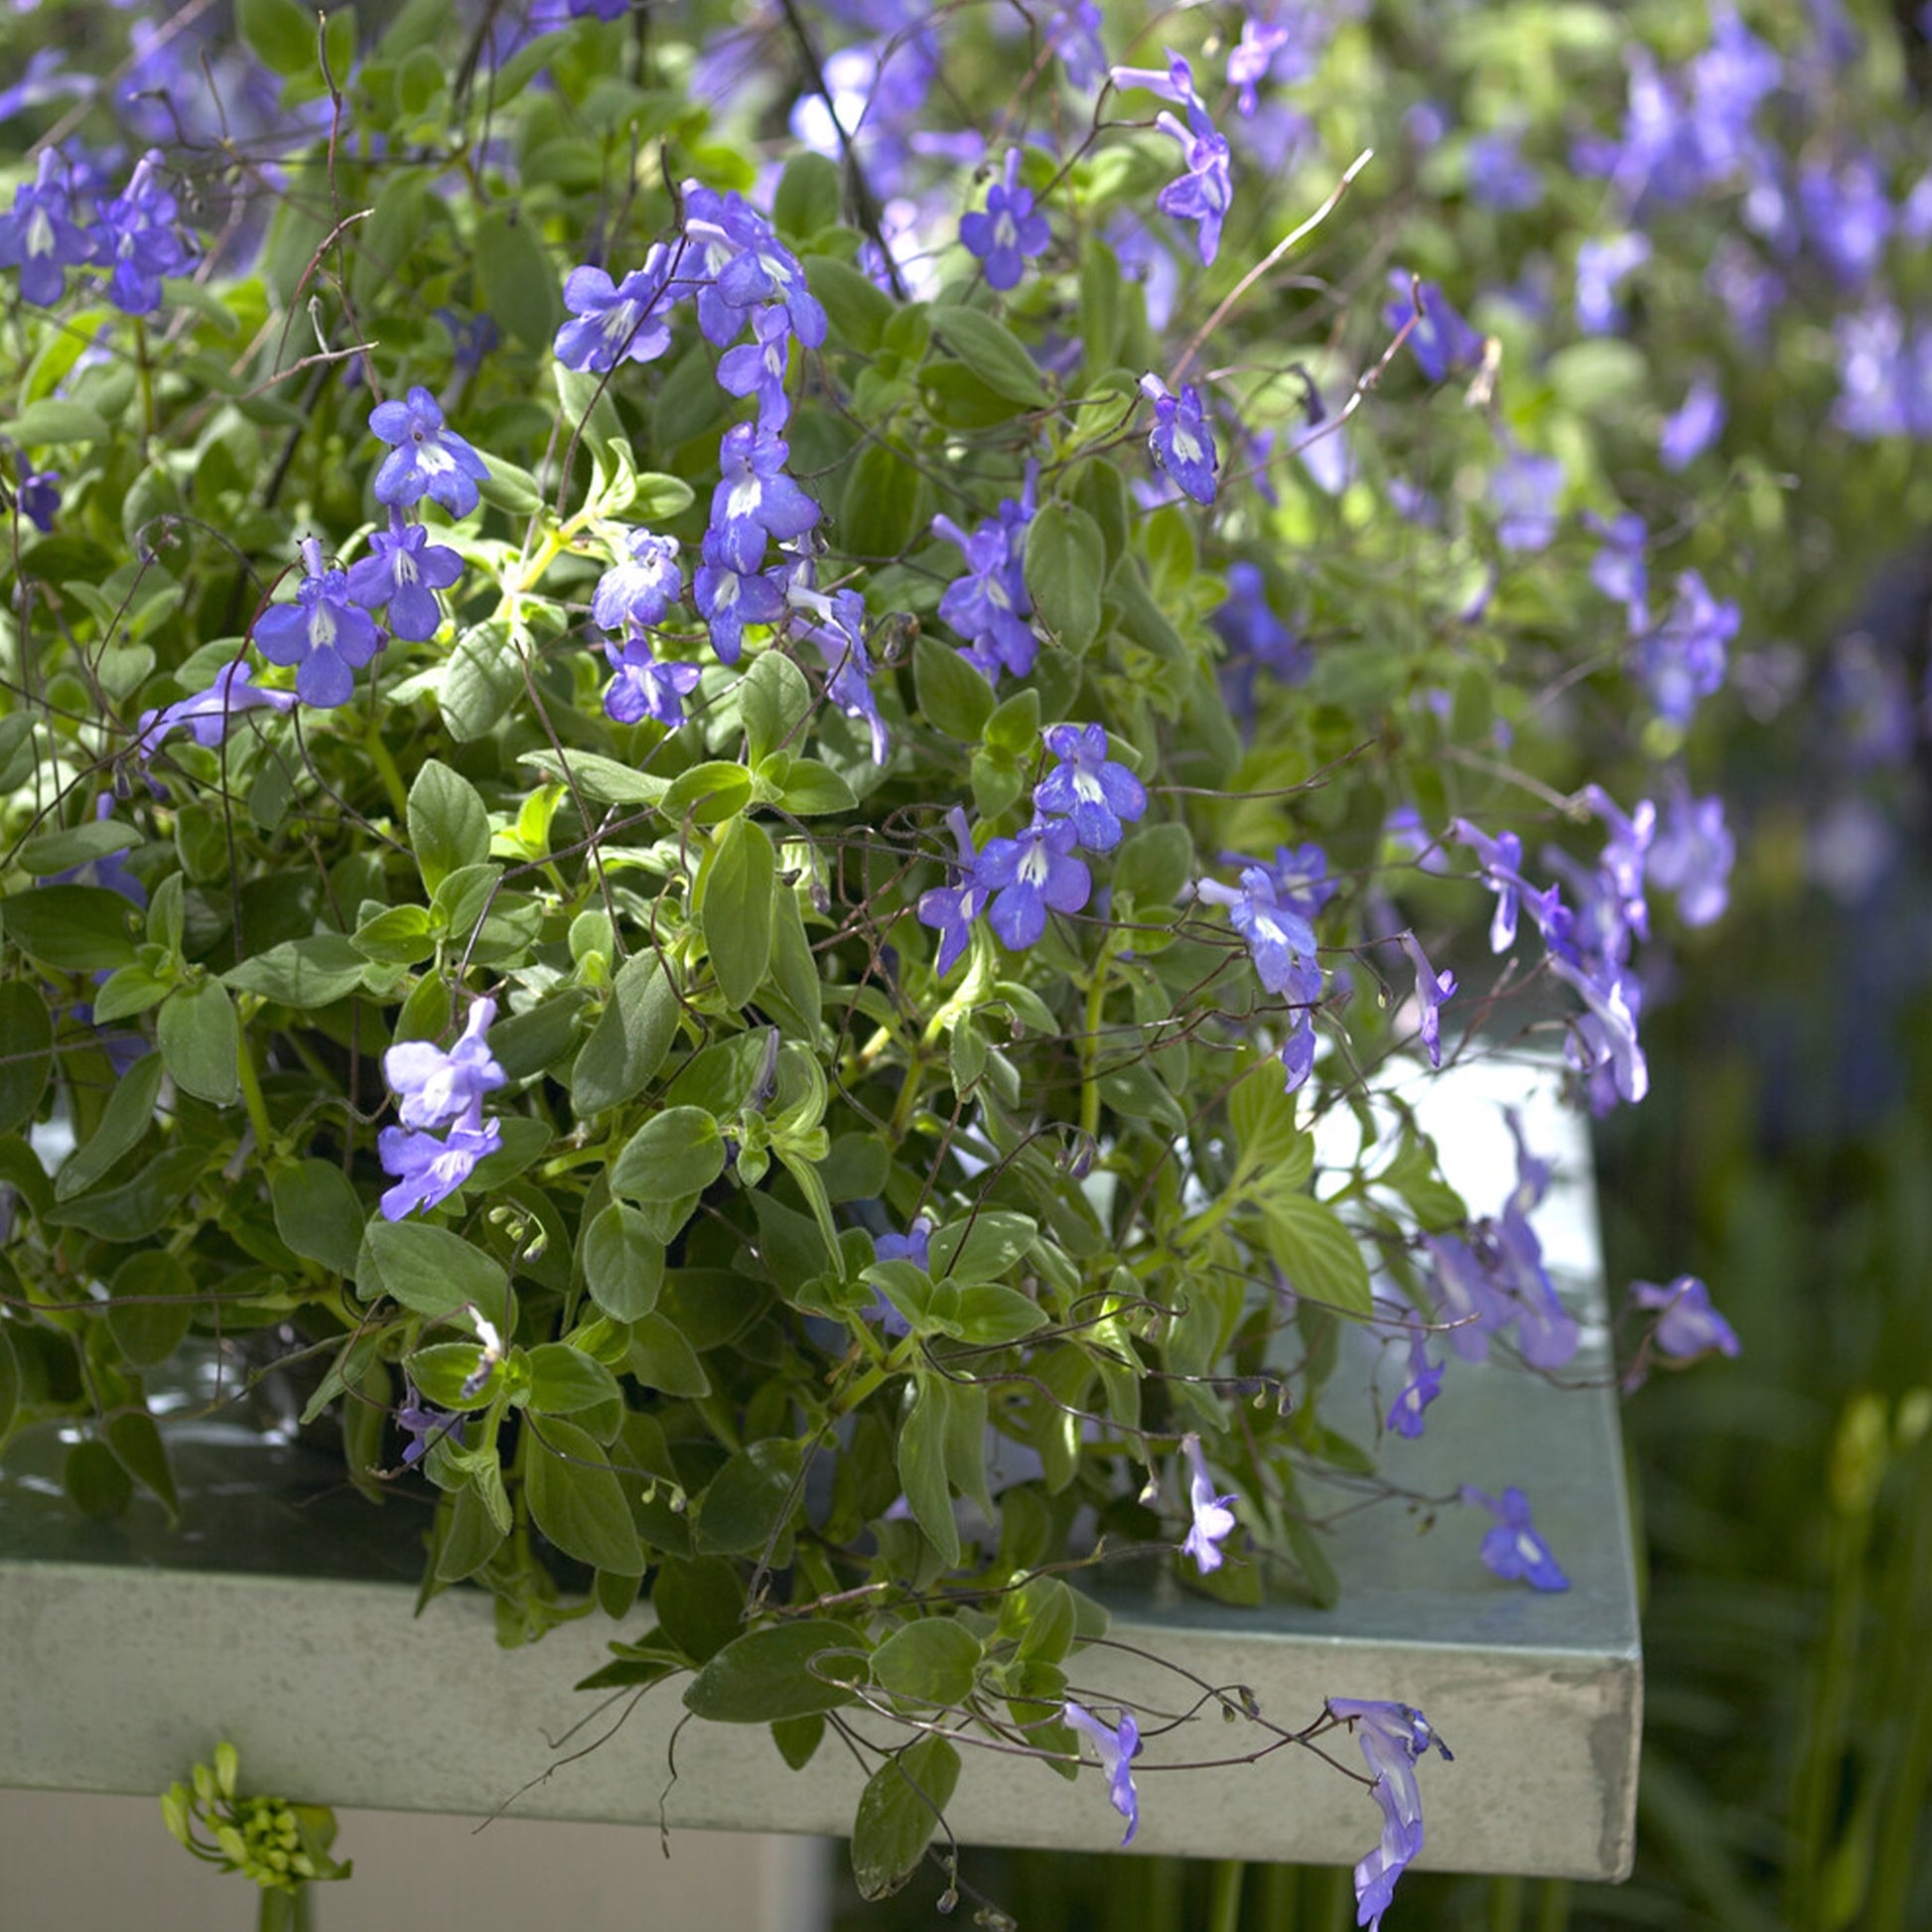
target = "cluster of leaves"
x: 832, y: 1138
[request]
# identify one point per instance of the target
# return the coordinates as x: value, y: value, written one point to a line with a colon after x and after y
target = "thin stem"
x: 251, y: 1094
x: 1224, y: 1895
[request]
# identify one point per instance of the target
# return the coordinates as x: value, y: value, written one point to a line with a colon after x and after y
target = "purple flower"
x: 1203, y: 191
x: 428, y: 460
x: 989, y: 605
x: 727, y: 599
x: 1393, y: 1736
x: 643, y: 687
x: 1620, y: 569
x: 748, y: 264
x: 1424, y: 1384
x: 1696, y: 424
x: 625, y: 321
x: 429, y: 1171
x: 1278, y: 932
x: 39, y: 236
x: 137, y: 237
x: 1683, y: 658
x: 1502, y: 860
x: 1513, y: 1549
x: 754, y: 500
x: 950, y: 909
x: 1249, y: 627
x: 1499, y: 176
x: 1603, y: 1043
x: 40, y: 495
x: 433, y: 1087
x: 1691, y: 854
x: 1601, y: 269
x: 1092, y: 790
x: 422, y: 1425
x: 1847, y: 217
x: 1524, y: 489
x: 1028, y: 875
x: 1620, y: 909
x: 1546, y: 1331
x: 1213, y: 1520
x: 842, y: 642
x: 1075, y: 35
x: 1688, y: 1325
x: 1182, y: 440
x: 206, y: 713
x: 758, y: 368
x: 1117, y: 1750
x: 1441, y: 342
x: 404, y: 571
x: 636, y: 594
x: 1431, y: 989
x: 324, y: 633
x: 1009, y: 231
x: 915, y: 1245
x: 1469, y: 1301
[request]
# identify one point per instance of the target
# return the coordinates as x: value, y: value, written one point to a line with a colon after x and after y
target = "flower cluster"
x: 136, y: 236
x: 439, y: 1090
x: 990, y: 606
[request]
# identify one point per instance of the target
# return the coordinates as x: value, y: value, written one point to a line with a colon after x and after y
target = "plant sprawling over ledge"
x: 721, y: 725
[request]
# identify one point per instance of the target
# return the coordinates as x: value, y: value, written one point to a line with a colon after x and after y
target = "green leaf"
x: 483, y: 683
x: 564, y: 1381
x: 807, y: 197
x: 630, y: 1040
x: 56, y: 420
x: 699, y: 1604
x: 797, y: 1738
x: 318, y: 1213
x: 735, y: 891
x: 280, y: 33
x: 1313, y: 1247
x: 660, y: 1358
x: 812, y: 788
x: 676, y: 1153
x: 1066, y: 565
x: 990, y: 1315
x: 95, y: 1481
x: 993, y: 352
x: 884, y: 506
x: 744, y: 1510
x: 139, y: 1449
x: 27, y: 1055
x: 402, y: 935
x: 624, y: 1262
x: 76, y: 928
x: 128, y: 1114
x: 708, y: 793
x: 151, y: 1306
x: 1153, y: 863
x: 577, y: 1501
x: 201, y: 1043
x: 130, y: 991
x: 601, y: 778
x: 921, y: 1460
x: 430, y: 1270
x: 774, y: 700
x: 302, y: 973
x: 1014, y: 727
x: 983, y: 1246
x: 932, y: 1661
x: 790, y: 1671
x: 516, y: 282
x: 857, y: 308
x: 167, y: 913
x: 56, y: 852
x: 898, y: 1812
x: 952, y: 696
x: 794, y: 969
x: 9, y: 1386
x: 449, y: 824
x: 1274, y: 1145
x: 137, y: 1208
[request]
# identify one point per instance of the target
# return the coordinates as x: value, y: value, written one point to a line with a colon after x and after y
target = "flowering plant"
x: 710, y: 817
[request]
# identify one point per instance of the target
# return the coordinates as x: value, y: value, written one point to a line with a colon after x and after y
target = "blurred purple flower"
x: 1116, y: 1751
x: 1514, y: 1549
x: 1686, y: 1325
